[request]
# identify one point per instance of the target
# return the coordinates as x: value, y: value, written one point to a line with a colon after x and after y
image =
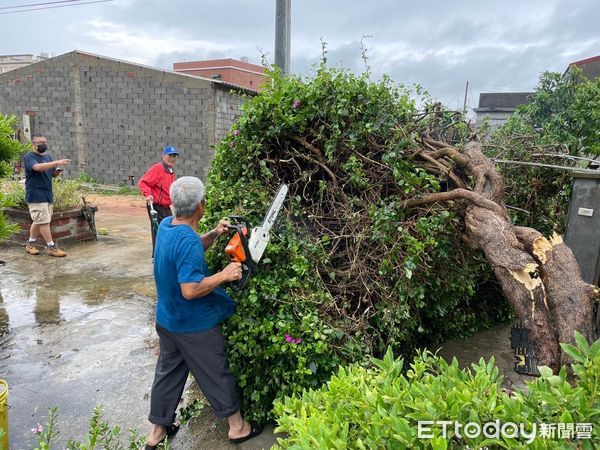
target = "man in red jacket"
x: 156, y: 183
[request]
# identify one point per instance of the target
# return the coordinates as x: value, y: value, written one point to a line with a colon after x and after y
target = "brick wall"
x: 66, y: 226
x: 112, y: 118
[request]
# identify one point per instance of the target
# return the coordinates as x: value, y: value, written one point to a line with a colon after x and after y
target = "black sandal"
x: 171, y: 431
x: 256, y: 429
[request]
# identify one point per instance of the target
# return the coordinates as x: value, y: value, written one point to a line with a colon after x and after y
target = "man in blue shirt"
x: 190, y: 308
x: 39, y: 170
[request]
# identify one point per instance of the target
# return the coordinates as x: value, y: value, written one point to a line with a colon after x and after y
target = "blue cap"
x: 170, y: 151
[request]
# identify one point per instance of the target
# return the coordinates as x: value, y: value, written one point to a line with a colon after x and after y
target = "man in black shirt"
x: 39, y: 170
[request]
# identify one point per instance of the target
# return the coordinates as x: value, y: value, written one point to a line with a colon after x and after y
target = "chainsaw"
x: 248, y: 244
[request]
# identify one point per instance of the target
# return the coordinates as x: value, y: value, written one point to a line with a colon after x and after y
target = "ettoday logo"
x: 510, y: 430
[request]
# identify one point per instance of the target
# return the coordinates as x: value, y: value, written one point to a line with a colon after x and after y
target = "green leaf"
x: 439, y: 443
x: 573, y: 352
x: 581, y: 342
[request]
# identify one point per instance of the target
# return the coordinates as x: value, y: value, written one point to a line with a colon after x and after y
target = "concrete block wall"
x: 112, y: 118
x: 228, y: 109
x: 44, y: 92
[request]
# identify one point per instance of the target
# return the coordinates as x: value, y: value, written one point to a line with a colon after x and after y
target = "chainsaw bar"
x: 259, y: 237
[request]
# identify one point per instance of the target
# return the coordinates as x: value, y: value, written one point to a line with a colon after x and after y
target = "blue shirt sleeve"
x: 190, y: 262
x: 29, y: 161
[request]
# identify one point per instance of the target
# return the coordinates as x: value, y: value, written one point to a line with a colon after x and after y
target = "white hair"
x: 186, y: 194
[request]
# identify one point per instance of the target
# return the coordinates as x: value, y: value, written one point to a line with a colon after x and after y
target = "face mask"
x: 42, y: 148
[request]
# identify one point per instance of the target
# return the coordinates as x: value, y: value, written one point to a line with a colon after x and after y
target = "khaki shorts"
x: 41, y: 213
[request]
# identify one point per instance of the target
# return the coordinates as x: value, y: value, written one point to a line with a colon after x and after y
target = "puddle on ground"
x: 76, y: 341
x: 64, y: 298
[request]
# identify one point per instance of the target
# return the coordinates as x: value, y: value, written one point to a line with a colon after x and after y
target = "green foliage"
x: 380, y: 406
x: 99, y: 435
x: 7, y: 229
x: 85, y: 178
x: 66, y: 194
x: 420, y: 283
x: 191, y: 411
x: 127, y: 190
x: 562, y: 117
x: 10, y: 150
x: 564, y: 112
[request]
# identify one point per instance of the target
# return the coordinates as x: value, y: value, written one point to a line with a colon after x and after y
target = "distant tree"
x: 559, y: 125
x: 564, y: 113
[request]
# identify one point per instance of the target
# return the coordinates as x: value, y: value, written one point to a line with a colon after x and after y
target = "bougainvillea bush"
x: 349, y: 270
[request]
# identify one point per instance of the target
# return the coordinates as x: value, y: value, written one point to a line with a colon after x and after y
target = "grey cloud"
x: 436, y: 43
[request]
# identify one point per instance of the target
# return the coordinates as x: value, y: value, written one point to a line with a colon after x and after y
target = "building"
x: 112, y: 117
x: 11, y: 62
x: 498, y: 106
x: 239, y: 73
x: 590, y: 66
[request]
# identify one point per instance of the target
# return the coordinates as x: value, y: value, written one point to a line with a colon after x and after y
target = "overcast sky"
x: 498, y: 46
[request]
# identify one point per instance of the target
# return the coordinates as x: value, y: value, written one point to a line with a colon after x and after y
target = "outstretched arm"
x: 209, y: 238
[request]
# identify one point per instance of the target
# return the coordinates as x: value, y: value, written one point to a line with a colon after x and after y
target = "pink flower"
x: 236, y: 132
x: 296, y: 104
x: 292, y: 340
x: 38, y: 429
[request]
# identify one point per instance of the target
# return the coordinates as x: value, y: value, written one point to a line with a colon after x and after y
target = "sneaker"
x: 31, y: 249
x: 55, y: 251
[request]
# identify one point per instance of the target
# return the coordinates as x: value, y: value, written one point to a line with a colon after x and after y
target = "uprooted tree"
x: 393, y: 220
x: 539, y: 277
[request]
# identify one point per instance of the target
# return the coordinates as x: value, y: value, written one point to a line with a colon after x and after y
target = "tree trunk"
x: 539, y: 277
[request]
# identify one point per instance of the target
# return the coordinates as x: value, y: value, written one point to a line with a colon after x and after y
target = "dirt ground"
x: 118, y: 202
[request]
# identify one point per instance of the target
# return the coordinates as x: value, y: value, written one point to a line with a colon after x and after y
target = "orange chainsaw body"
x: 235, y: 248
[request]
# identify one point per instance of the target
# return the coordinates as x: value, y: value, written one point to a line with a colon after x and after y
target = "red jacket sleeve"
x: 148, y: 181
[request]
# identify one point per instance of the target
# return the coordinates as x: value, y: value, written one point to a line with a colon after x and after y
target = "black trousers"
x: 204, y: 354
x: 162, y: 212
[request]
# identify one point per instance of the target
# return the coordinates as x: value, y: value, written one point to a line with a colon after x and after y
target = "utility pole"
x: 283, y: 35
x: 465, y: 102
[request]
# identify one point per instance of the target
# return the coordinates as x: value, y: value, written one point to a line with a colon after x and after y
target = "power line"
x: 58, y: 6
x: 510, y: 88
x: 38, y: 4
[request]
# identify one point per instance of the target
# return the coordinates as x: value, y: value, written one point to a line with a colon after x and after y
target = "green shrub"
x: 10, y: 150
x: 407, y: 280
x: 85, y: 178
x: 7, y: 229
x: 100, y: 435
x: 66, y: 194
x: 379, y: 407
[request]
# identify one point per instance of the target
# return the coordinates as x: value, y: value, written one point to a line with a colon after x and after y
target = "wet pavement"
x: 485, y: 344
x: 78, y: 332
